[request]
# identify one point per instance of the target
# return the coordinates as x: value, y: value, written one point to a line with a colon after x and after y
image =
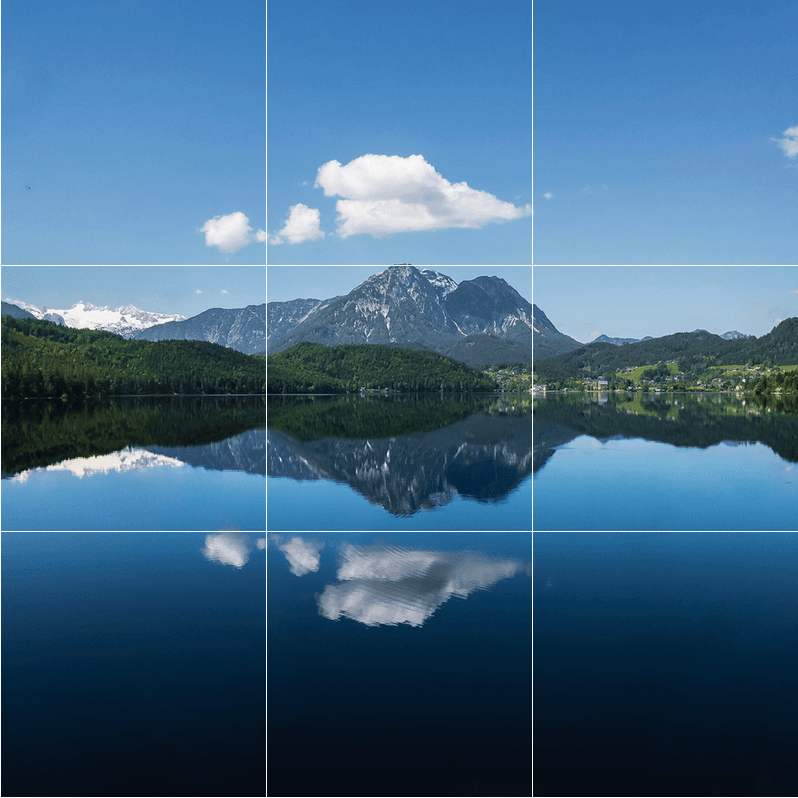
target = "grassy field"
x: 635, y: 373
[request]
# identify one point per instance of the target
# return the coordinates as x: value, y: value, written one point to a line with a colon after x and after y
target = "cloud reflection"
x: 302, y: 555
x: 388, y: 585
x: 228, y: 548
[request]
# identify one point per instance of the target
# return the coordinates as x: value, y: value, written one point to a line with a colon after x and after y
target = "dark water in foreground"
x: 399, y: 664
x: 141, y: 463
x: 133, y: 664
x: 660, y: 462
x: 665, y: 664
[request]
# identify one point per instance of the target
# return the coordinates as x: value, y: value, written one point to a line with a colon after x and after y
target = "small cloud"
x: 261, y: 543
x: 302, y: 555
x: 790, y: 142
x: 228, y: 548
x: 388, y: 194
x: 794, y: 290
x: 198, y: 291
x: 303, y: 224
x: 225, y: 291
x: 230, y: 233
x: 595, y: 334
x: 304, y: 182
x: 548, y: 195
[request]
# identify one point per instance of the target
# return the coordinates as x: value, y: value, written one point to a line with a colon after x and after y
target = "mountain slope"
x: 243, y: 329
x: 282, y: 317
x: 404, y: 305
x: 16, y: 312
x: 548, y: 340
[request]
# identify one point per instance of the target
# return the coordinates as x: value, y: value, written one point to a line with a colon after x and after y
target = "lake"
x: 664, y: 461
x: 137, y: 463
x: 665, y: 664
x: 399, y: 664
x: 133, y: 664
x: 410, y: 462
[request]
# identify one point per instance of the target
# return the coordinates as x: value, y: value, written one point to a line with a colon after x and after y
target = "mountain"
x: 605, y: 339
x: 733, y: 335
x: 243, y: 329
x: 548, y: 340
x: 124, y: 321
x: 406, y: 305
x: 16, y: 311
x: 282, y: 317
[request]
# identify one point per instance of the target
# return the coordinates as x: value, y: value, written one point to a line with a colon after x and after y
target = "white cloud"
x: 198, y: 291
x: 225, y: 291
x: 230, y: 233
x: 790, y: 142
x: 228, y: 548
x: 261, y: 543
x: 391, y: 585
x: 794, y: 290
x: 302, y: 555
x: 302, y: 225
x: 388, y: 194
x: 548, y: 195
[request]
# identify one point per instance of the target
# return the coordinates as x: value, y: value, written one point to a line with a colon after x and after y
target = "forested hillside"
x: 41, y: 359
x: 315, y: 368
x: 693, y: 352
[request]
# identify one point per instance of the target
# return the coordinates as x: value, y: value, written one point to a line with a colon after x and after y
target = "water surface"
x: 665, y: 664
x: 135, y: 463
x: 133, y: 664
x: 657, y: 462
x: 399, y: 664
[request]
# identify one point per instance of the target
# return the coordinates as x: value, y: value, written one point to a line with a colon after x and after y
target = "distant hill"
x: 689, y: 349
x: 605, y: 339
x: 16, y: 312
x: 548, y: 341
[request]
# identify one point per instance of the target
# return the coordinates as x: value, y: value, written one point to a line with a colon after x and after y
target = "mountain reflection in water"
x: 126, y: 434
x: 387, y: 585
x: 404, y: 454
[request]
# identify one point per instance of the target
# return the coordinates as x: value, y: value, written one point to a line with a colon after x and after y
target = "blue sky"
x: 187, y: 290
x: 134, y: 124
x: 324, y: 282
x: 634, y: 301
x: 665, y: 133
x: 447, y: 81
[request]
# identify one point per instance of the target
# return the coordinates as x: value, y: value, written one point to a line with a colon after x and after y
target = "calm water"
x: 399, y: 463
x: 399, y: 664
x: 687, y: 462
x: 665, y: 664
x: 133, y: 664
x: 135, y: 464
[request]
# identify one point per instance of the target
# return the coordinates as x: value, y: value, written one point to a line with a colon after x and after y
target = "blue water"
x: 665, y: 664
x: 147, y: 499
x: 133, y: 664
x: 634, y: 484
x: 399, y: 664
x: 323, y: 505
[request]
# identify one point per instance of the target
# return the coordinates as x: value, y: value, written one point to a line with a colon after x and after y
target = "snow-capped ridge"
x: 124, y: 321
